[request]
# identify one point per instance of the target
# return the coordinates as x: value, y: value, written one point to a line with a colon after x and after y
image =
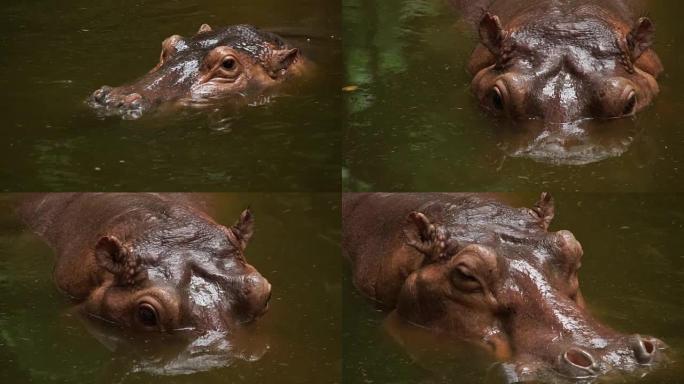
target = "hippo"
x: 555, y: 68
x: 150, y: 262
x: 473, y: 267
x: 238, y: 61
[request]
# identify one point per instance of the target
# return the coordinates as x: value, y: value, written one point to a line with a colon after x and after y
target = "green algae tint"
x: 414, y: 124
x: 54, y: 54
x: 631, y: 279
x: 43, y: 339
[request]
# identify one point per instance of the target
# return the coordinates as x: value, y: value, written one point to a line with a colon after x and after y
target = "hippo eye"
x: 465, y: 281
x: 497, y: 98
x: 631, y: 104
x: 229, y: 63
x: 147, y: 315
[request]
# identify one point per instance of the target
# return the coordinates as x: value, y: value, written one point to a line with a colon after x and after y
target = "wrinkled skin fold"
x: 152, y: 263
x: 558, y: 68
x: 239, y: 62
x: 485, y: 272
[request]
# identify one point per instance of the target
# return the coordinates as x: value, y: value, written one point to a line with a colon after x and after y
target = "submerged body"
x: 485, y: 272
x: 239, y: 61
x: 561, y: 63
x: 150, y: 262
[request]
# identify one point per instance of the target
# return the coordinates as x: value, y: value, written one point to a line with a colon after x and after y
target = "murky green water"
x: 406, y: 121
x: 295, y: 246
x: 632, y: 278
x: 53, y: 54
x: 415, y: 126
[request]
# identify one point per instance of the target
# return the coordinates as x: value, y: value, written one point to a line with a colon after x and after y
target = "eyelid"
x: 465, y: 270
x: 471, y: 282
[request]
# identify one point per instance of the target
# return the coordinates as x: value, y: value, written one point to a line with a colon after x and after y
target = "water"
x: 413, y: 124
x: 631, y: 278
x: 408, y: 122
x: 53, y: 54
x: 295, y: 246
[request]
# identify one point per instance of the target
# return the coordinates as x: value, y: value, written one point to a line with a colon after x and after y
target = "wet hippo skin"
x: 238, y: 61
x: 482, y: 271
x: 150, y: 262
x: 552, y: 66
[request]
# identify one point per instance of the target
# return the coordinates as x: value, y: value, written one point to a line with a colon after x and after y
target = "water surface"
x: 413, y: 124
x: 53, y: 54
x: 632, y: 278
x: 295, y: 246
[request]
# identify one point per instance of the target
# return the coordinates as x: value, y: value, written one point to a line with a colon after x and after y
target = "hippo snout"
x: 633, y: 353
x: 259, y: 293
x: 130, y: 104
x: 100, y: 95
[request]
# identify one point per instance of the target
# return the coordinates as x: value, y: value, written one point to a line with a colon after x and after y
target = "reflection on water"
x: 44, y: 337
x: 51, y: 140
x: 182, y: 353
x: 575, y: 143
x: 414, y: 124
x: 632, y: 279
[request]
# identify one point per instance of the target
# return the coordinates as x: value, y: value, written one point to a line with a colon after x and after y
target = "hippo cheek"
x: 256, y: 299
x: 219, y: 302
x: 219, y: 88
x: 499, y: 344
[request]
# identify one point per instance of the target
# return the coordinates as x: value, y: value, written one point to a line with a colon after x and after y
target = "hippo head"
x: 239, y: 61
x: 178, y: 275
x: 495, y: 276
x: 554, y: 75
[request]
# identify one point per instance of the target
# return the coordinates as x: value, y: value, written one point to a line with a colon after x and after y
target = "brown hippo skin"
x: 238, y: 61
x: 553, y: 65
x: 150, y: 262
x: 485, y: 272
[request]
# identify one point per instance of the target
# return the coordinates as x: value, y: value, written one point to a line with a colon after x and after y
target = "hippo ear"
x: 116, y: 259
x: 282, y: 59
x: 491, y: 33
x: 243, y: 229
x: 204, y: 28
x: 427, y: 238
x: 641, y: 37
x: 544, y: 209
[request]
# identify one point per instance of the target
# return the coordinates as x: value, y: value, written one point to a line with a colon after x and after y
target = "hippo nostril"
x: 630, y: 105
x: 132, y: 97
x: 579, y: 358
x: 644, y: 349
x: 101, y: 94
x: 133, y: 101
x: 578, y: 363
x: 648, y: 346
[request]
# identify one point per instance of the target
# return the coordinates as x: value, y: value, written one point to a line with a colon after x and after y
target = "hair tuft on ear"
x: 204, y: 28
x: 281, y: 60
x: 545, y: 210
x: 243, y: 229
x: 491, y: 33
x: 430, y: 239
x: 116, y: 259
x: 641, y: 37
